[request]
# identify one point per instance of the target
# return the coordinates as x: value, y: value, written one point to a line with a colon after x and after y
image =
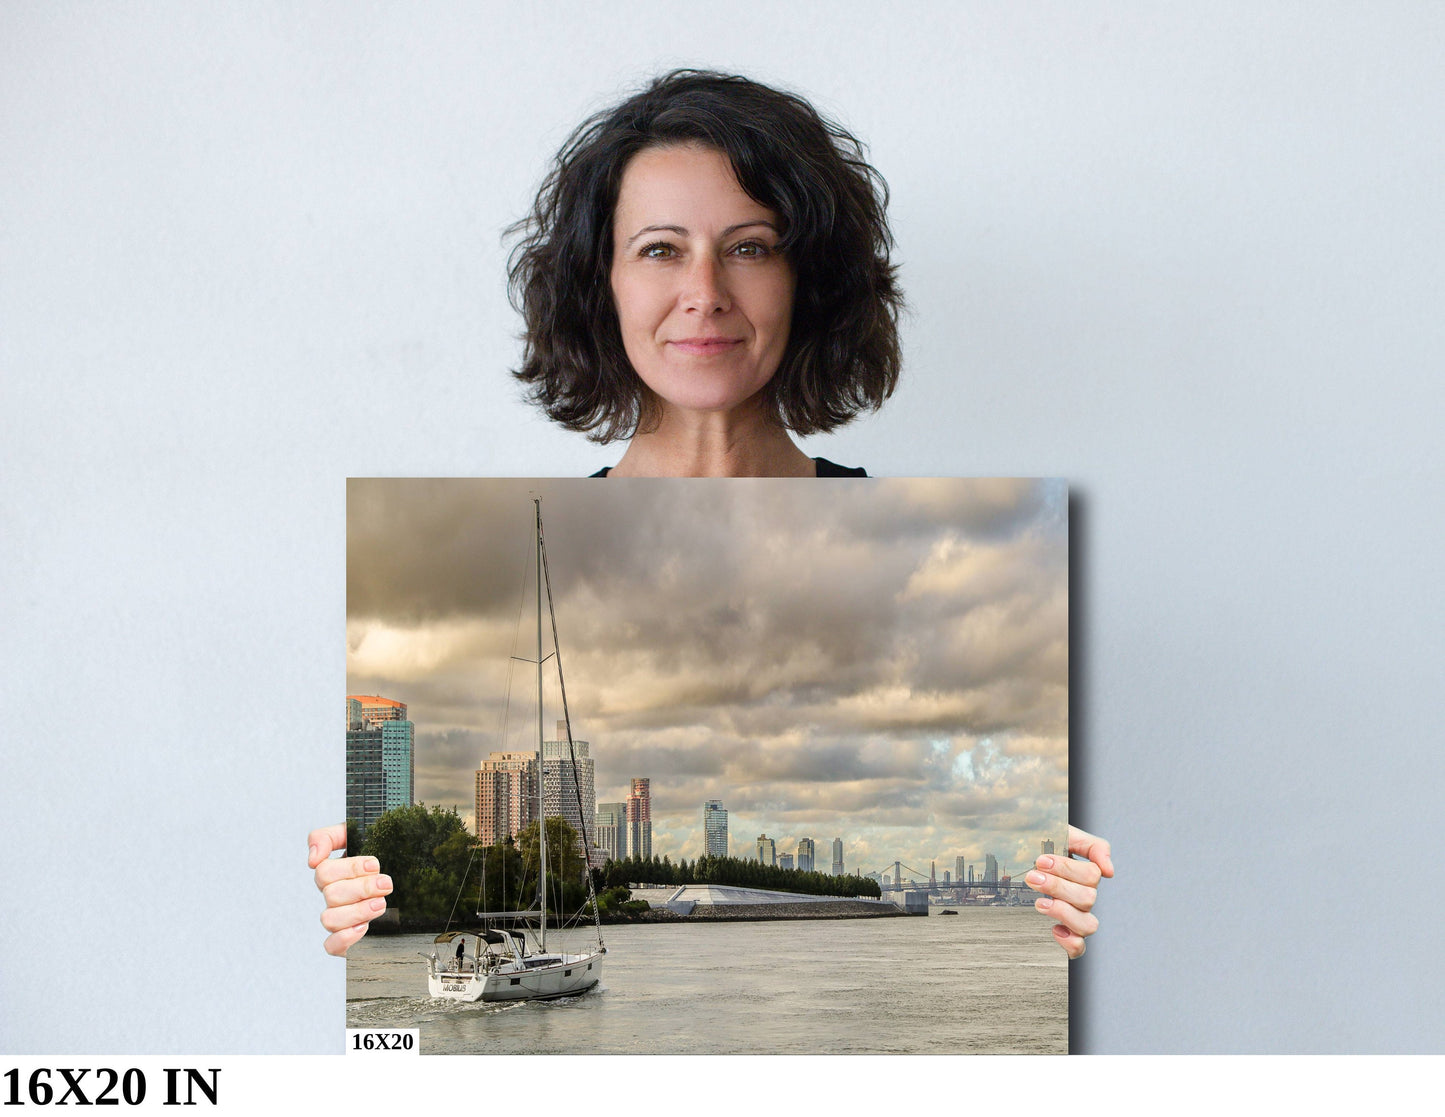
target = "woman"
x: 704, y: 274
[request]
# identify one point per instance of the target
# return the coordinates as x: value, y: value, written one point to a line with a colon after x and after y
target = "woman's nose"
x: 705, y: 287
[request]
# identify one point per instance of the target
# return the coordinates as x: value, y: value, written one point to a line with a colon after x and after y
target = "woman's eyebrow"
x: 731, y: 229
x: 680, y: 231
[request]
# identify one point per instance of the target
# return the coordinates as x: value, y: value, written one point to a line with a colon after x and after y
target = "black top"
x: 825, y: 469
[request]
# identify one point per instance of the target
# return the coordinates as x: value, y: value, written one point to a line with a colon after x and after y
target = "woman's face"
x: 702, y: 294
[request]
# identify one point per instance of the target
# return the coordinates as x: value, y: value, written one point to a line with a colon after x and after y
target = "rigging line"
x: 516, y: 636
x: 465, y: 873
x: 571, y: 748
x: 525, y: 885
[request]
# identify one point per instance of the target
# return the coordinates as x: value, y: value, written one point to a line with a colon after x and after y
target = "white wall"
x: 1187, y: 257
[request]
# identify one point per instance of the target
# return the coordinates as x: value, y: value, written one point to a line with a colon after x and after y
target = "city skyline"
x: 889, y: 665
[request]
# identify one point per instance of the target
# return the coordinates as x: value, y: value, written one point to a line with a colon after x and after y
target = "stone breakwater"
x: 738, y: 913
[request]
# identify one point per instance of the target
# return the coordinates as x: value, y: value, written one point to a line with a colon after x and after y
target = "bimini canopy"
x: 496, y: 937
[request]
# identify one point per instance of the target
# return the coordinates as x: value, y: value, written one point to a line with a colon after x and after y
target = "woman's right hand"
x: 353, y: 887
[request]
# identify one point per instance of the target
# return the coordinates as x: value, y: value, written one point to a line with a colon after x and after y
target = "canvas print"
x: 709, y: 766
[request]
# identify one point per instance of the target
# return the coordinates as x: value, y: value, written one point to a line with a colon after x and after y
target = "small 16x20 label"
x: 368, y: 1041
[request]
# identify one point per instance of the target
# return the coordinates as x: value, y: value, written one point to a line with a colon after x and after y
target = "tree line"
x: 735, y: 871
x: 439, y: 871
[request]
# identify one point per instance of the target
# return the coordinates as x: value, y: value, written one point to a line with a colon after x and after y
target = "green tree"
x: 502, y: 875
x: 425, y: 852
x: 566, y: 885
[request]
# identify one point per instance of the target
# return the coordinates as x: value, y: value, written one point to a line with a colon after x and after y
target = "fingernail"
x: 371, y: 865
x: 1044, y: 903
x: 1035, y: 878
x: 383, y: 882
x: 312, y: 855
x: 1045, y: 862
x: 378, y: 905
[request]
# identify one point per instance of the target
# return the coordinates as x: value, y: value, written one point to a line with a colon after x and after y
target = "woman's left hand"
x: 1070, y: 888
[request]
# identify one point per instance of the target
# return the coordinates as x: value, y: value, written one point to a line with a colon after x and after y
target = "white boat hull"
x: 539, y: 977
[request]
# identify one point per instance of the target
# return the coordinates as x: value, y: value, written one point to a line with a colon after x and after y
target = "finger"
x: 342, y: 941
x: 343, y: 918
x: 354, y: 889
x: 1079, y: 896
x: 1080, y: 923
x: 340, y: 868
x: 1081, y: 872
x: 322, y: 843
x: 1073, y: 944
x: 1096, y: 849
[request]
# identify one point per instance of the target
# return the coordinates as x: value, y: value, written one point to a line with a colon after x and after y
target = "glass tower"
x: 612, y: 829
x: 639, y: 819
x: 715, y: 828
x: 561, y: 792
x: 380, y: 758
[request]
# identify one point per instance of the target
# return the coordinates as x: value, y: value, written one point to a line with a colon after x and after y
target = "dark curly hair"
x: 843, y: 353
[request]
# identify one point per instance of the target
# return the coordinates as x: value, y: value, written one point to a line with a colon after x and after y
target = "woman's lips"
x: 705, y: 346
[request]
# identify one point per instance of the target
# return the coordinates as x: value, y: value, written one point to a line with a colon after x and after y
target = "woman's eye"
x: 657, y: 251
x: 751, y: 249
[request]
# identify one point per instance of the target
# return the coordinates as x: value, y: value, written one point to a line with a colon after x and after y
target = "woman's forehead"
x: 685, y: 185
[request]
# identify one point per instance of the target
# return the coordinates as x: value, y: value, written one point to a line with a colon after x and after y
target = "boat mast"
x: 541, y: 768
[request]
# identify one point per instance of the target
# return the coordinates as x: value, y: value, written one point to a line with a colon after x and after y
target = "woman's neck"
x: 741, y: 443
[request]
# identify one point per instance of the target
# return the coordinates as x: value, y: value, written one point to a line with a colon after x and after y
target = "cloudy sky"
x: 881, y: 660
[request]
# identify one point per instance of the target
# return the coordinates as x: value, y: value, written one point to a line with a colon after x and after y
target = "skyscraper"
x: 398, y: 762
x: 365, y: 785
x: 1046, y: 846
x: 563, y: 786
x: 612, y: 829
x: 785, y: 860
x: 767, y: 850
x: 380, y: 758
x: 506, y: 795
x: 990, y: 869
x: 639, y: 819
x: 805, y: 855
x: 715, y: 828
x: 837, y: 857
x: 959, y: 868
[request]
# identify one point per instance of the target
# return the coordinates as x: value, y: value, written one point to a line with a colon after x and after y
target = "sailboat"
x: 501, y: 968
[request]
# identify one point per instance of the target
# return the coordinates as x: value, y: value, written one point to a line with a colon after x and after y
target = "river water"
x: 989, y: 980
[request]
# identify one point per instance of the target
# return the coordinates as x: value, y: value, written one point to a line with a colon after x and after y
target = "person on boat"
x: 461, y: 954
x: 705, y: 273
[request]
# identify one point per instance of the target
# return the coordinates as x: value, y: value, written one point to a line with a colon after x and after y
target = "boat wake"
x: 412, y: 1012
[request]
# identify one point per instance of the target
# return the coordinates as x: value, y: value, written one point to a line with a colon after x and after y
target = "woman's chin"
x: 703, y: 401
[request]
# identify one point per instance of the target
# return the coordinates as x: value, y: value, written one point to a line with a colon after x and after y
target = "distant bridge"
x: 1005, y: 886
